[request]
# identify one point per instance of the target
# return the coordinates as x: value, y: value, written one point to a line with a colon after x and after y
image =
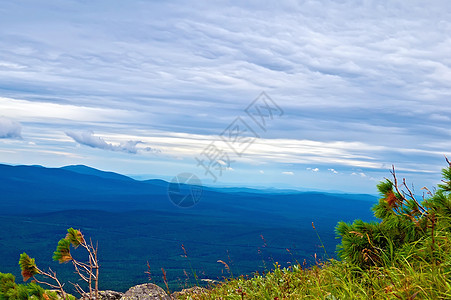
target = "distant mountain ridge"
x: 135, y: 220
x: 82, y: 169
x: 29, y: 189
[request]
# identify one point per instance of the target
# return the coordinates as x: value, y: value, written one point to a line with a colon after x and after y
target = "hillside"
x: 135, y: 222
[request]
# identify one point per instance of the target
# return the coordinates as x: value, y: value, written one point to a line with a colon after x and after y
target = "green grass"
x: 338, y: 280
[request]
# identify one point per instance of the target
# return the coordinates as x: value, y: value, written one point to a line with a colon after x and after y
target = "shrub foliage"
x: 407, y: 226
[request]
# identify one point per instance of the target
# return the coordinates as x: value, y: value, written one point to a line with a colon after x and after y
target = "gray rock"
x: 106, y: 295
x: 195, y: 290
x: 147, y: 291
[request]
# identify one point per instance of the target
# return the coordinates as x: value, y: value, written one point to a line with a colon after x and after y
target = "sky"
x: 312, y: 95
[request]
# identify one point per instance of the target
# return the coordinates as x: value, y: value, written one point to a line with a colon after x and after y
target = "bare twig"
x: 402, y: 193
x: 428, y: 191
x: 395, y: 183
x: 77, y: 270
x: 411, y: 195
x: 88, y: 271
x: 96, y: 267
x: 79, y: 289
x: 52, y: 275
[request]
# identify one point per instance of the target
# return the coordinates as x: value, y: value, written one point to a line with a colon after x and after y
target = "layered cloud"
x: 363, y: 84
x: 9, y: 129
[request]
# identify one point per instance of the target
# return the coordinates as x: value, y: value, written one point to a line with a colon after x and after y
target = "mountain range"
x: 135, y: 222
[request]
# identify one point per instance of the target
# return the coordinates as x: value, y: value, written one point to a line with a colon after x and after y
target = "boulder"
x: 106, y: 295
x: 195, y: 290
x: 146, y: 291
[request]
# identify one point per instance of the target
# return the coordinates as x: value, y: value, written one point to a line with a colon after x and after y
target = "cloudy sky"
x: 154, y: 89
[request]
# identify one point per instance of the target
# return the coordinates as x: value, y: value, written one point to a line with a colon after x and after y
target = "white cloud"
x: 288, y: 173
x: 225, y: 165
x: 333, y: 171
x: 279, y: 151
x: 261, y: 172
x: 89, y: 139
x: 361, y: 174
x: 150, y: 149
x: 55, y: 113
x: 9, y: 129
x: 440, y: 117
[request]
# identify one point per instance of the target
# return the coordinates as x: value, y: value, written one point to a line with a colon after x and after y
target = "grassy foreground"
x: 339, y: 280
x: 406, y: 255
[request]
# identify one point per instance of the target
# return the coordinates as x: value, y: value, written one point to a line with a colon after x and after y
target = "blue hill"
x: 82, y: 169
x: 134, y: 221
x: 28, y: 189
